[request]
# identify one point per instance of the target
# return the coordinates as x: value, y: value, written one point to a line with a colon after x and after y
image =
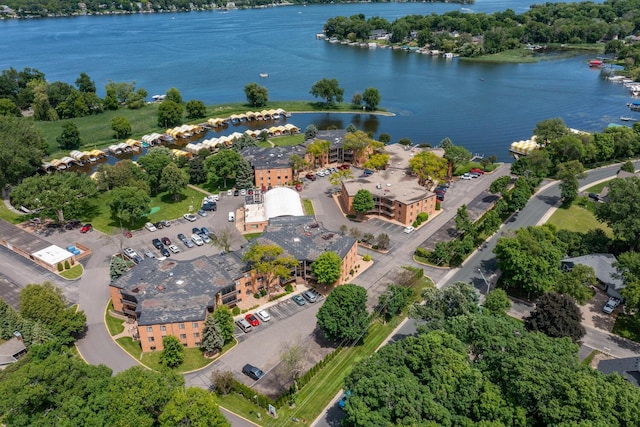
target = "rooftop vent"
x: 160, y: 288
x: 296, y: 240
x: 179, y: 282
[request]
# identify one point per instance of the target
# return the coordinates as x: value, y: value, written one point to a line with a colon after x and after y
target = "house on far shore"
x: 606, y: 272
x: 379, y: 34
x: 628, y: 368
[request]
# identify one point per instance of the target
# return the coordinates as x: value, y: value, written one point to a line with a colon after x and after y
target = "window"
x: 194, y: 325
x: 181, y: 325
x: 197, y: 343
x: 149, y: 328
x: 163, y: 327
x: 151, y: 339
x: 196, y: 334
x: 183, y: 336
x: 153, y: 348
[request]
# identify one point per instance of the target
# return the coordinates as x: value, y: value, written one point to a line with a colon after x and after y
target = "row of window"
x: 182, y: 336
x: 194, y: 325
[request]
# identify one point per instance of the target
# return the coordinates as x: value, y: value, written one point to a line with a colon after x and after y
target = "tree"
x: 292, y: 357
x: 195, y: 109
x: 620, y: 210
x: 357, y: 142
x: 497, y: 302
x: 125, y: 173
x: 270, y: 262
x: 385, y: 138
x: 223, y: 238
x: 383, y: 241
x: 500, y: 185
x: 192, y: 407
x: 362, y: 202
x: 129, y: 204
x: 327, y: 268
x: 121, y: 127
x: 298, y: 163
x: 530, y: 259
x: 121, y: 90
x: 57, y: 195
x: 212, y: 338
x: 377, y: 161
x: 69, y: 139
x: 42, y: 109
x: 577, y: 283
x: 327, y: 89
x: 428, y: 167
x: 550, y: 130
x: 85, y: 84
x: 556, y: 316
x: 356, y: 100
x: 110, y: 99
x: 317, y: 149
x: 310, y: 132
x: 257, y: 96
x: 173, y: 94
x: 456, y: 156
x: 9, y: 108
x: 174, y: 180
x: 117, y: 267
x: 222, y: 382
x: 197, y: 172
x: 22, y: 147
x: 222, y: 166
x: 173, y: 353
x: 169, y: 114
x: 154, y: 162
x: 244, y: 175
x: 371, y: 97
x: 569, y: 173
x: 463, y: 222
x: 343, y: 316
x: 394, y: 300
x: 340, y: 175
x: 628, y: 167
x: 439, y: 304
x: 224, y: 319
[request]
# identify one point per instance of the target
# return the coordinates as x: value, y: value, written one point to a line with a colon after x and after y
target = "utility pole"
x: 485, y: 280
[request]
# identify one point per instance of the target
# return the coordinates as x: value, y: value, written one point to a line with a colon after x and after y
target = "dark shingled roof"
x: 335, y: 137
x: 304, y: 238
x: 171, y: 291
x: 18, y: 238
x: 271, y: 158
x: 628, y: 367
x: 602, y: 265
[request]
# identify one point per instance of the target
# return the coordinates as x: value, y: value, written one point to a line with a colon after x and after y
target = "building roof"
x: 18, y: 238
x: 304, y: 238
x: 334, y: 136
x: 170, y: 291
x: 628, y: 367
x: 10, y: 350
x: 399, y: 155
x: 603, y: 267
x: 271, y: 157
x: 52, y: 254
x: 282, y: 201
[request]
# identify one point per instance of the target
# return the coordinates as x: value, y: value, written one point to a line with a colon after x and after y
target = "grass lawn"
x: 250, y: 236
x: 521, y: 55
x: 307, y: 206
x: 288, y: 140
x: 598, y: 187
x: 9, y: 216
x: 115, y: 325
x: 162, y: 205
x: 627, y: 327
x: 577, y: 218
x: 130, y: 346
x: 589, y: 358
x: 73, y: 273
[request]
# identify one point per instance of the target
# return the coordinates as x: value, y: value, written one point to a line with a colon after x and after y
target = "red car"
x: 85, y: 228
x: 310, y: 176
x: 298, y: 187
x: 253, y: 320
x: 477, y: 170
x: 345, y: 166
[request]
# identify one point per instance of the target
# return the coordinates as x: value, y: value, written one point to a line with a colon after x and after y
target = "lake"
x: 211, y: 56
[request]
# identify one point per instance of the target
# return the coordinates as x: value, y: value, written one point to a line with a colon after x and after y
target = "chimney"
x: 18, y: 335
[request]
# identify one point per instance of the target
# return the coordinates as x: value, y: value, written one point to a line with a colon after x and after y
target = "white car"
x: 229, y: 192
x: 190, y: 217
x: 197, y: 240
x: 409, y: 229
x: 610, y: 305
x: 149, y: 226
x: 174, y: 249
x: 130, y: 252
x: 264, y: 315
x: 243, y: 192
x: 466, y: 176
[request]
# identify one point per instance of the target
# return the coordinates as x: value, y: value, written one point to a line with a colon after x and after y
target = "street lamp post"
x: 485, y: 280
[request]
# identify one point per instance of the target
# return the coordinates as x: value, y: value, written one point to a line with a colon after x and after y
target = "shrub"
x: 374, y: 247
x: 422, y: 217
x: 288, y: 287
x: 263, y: 292
x: 367, y: 257
x: 437, y: 206
x: 256, y: 295
x: 66, y: 265
x: 351, y: 272
x: 415, y: 224
x: 60, y: 267
x: 235, y: 310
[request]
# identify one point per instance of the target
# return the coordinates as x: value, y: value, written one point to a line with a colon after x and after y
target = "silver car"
x: 264, y: 315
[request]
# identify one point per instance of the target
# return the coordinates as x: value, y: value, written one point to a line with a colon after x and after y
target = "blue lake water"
x: 211, y: 56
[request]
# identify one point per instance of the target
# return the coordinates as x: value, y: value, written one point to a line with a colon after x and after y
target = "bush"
x: 437, y: 206
x: 422, y: 217
x: 235, y: 310
x: 60, y: 268
x: 351, y: 272
x: 415, y: 224
x: 66, y: 265
x: 288, y: 287
x: 367, y: 257
x: 256, y: 295
x: 263, y: 292
x: 375, y: 247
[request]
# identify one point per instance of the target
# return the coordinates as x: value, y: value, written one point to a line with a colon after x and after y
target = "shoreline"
x: 373, y: 113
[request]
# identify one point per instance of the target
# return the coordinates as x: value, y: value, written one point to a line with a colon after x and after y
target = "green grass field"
x: 577, y: 218
x: 73, y: 273
x: 598, y: 187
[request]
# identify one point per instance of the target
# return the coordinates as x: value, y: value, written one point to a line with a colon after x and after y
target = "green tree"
x: 110, y: 99
x: 169, y: 114
x: 438, y: 304
x: 57, y: 195
x: 356, y: 100
x: 327, y: 267
x: 192, y: 407
x: 298, y: 163
x: 394, y: 300
x: 497, y: 302
x: 173, y: 94
x: 530, y: 259
x: 244, y: 174
x: 212, y: 339
x: 620, y: 210
x: 125, y: 173
x: 222, y: 166
x: 257, y: 96
x: 69, y: 139
x: 174, y: 180
x: 500, y: 185
x: 383, y: 241
x: 371, y: 97
x: 329, y: 90
x: 121, y: 127
x: 224, y: 319
x: 628, y: 167
x: 340, y: 175
x: 270, y: 262
x: 9, y: 108
x: 428, y: 167
x: 22, y: 147
x: 85, y: 84
x: 137, y: 99
x: 316, y: 149
x: 121, y: 90
x: 154, y: 162
x: 129, y: 204
x: 357, y: 142
x: 557, y: 316
x: 173, y: 353
x: 197, y: 172
x: 362, y: 202
x: 550, y: 130
x: 569, y: 173
x: 377, y: 161
x: 223, y: 238
x: 195, y: 109
x: 343, y: 316
x: 456, y: 156
x: 385, y: 138
x: 310, y: 132
x: 577, y: 283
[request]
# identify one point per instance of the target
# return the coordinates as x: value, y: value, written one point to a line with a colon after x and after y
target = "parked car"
x: 253, y: 320
x: 209, y: 206
x: 157, y: 243
x: 310, y: 176
x: 196, y: 230
x: 129, y: 252
x: 344, y: 398
x: 202, y: 212
x: 205, y: 231
x: 74, y: 223
x: 474, y: 174
x: 149, y: 254
x: 466, y: 176
x: 236, y: 193
x: 477, y: 170
x: 298, y: 187
x: 204, y: 238
x: 595, y: 197
x: 190, y: 217
x: 149, y: 226
x: 165, y: 252
x: 243, y: 192
x: 298, y: 300
x: 166, y: 241
x: 263, y: 315
x: 345, y: 166
x: 252, y: 372
x: 159, y: 225
x: 197, y: 240
x: 310, y: 296
x: 86, y: 228
x: 165, y: 223
x: 611, y: 305
x: 229, y: 192
x: 244, y: 325
x: 174, y: 249
x: 410, y: 229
